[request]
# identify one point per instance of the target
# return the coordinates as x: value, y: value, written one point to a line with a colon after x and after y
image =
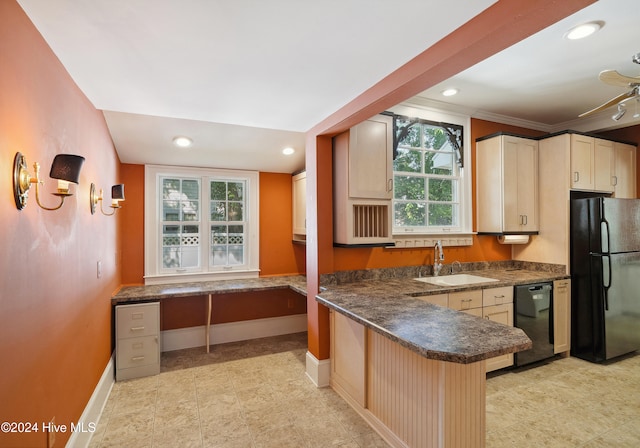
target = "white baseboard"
x: 318, y: 371
x: 231, y: 332
x: 89, y: 419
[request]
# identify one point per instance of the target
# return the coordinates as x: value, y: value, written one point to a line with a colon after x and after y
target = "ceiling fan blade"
x: 611, y: 102
x: 614, y: 78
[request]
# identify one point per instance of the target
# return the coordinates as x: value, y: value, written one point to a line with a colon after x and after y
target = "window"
x: 430, y: 190
x: 200, y: 224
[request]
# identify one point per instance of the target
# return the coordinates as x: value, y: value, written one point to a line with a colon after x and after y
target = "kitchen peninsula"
x: 414, y: 370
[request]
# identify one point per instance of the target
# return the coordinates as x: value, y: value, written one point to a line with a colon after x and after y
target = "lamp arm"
x: 37, y: 181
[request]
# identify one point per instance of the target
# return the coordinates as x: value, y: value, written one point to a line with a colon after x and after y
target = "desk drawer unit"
x: 137, y: 340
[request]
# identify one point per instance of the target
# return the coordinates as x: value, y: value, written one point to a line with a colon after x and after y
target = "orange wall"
x: 55, y: 314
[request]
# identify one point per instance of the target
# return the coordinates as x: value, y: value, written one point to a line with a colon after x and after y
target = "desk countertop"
x: 133, y: 294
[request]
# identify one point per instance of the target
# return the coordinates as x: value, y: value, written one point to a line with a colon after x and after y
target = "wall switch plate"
x: 99, y: 269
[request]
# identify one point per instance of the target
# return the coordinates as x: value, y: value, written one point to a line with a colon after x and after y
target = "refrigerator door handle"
x: 606, y: 279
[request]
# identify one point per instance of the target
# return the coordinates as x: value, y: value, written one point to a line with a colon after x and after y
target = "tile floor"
x: 254, y: 394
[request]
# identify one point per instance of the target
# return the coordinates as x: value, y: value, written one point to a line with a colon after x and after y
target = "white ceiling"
x: 243, y: 79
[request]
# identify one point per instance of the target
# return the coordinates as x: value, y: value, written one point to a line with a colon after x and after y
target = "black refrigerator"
x: 605, y: 277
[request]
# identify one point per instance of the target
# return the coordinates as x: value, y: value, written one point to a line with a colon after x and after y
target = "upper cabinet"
x: 592, y: 163
x: 624, y: 174
x: 507, y: 185
x: 363, y: 183
x: 299, y: 206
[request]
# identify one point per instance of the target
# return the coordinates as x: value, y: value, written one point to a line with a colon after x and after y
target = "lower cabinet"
x: 137, y: 340
x: 495, y: 304
x: 562, y: 316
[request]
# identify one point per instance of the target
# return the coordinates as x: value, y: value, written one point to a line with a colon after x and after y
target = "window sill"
x: 199, y: 277
x: 418, y: 241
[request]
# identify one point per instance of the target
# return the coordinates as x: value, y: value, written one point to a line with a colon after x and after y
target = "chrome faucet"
x: 438, y: 258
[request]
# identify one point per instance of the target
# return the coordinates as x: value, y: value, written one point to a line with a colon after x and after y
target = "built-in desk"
x: 156, y: 293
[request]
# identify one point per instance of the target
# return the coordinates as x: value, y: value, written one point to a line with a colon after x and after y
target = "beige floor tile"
x: 255, y: 394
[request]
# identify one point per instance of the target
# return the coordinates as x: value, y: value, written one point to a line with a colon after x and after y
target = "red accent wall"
x: 55, y: 314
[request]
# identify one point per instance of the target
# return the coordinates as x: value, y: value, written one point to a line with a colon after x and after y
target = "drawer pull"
x: 137, y: 358
x: 137, y: 328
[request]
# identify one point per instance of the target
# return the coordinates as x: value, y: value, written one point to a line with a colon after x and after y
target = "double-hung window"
x: 200, y: 224
x: 431, y: 191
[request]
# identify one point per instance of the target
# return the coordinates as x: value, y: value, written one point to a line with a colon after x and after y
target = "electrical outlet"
x: 51, y: 433
x: 99, y: 269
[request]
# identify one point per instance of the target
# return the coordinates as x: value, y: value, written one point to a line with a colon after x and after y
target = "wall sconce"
x: 117, y: 195
x: 65, y: 168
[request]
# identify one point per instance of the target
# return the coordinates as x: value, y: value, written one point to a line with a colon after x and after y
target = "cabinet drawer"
x: 497, y: 296
x: 436, y: 299
x: 137, y: 320
x: 133, y: 352
x: 465, y: 300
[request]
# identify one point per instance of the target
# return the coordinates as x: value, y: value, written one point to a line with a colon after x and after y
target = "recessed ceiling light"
x: 449, y: 92
x: 182, y: 142
x: 584, y: 30
x: 288, y: 151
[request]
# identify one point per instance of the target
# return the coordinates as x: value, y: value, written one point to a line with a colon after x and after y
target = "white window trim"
x: 466, y: 212
x: 152, y: 270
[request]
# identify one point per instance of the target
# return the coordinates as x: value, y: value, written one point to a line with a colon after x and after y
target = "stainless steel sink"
x: 456, y: 280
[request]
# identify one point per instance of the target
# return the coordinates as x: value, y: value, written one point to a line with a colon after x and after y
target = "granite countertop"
x: 391, y: 307
x: 132, y: 294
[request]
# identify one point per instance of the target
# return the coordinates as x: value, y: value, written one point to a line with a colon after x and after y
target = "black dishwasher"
x: 533, y: 313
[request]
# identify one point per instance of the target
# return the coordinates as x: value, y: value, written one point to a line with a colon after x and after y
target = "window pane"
x: 236, y: 254
x: 218, y: 191
x: 435, y: 138
x: 409, y: 214
x: 408, y: 161
x: 218, y: 235
x: 409, y: 187
x: 235, y: 191
x: 235, y: 211
x: 191, y: 189
x: 180, y: 246
x: 440, y: 215
x: 438, y: 163
x: 218, y: 211
x: 412, y: 135
x: 440, y: 190
x: 219, y: 256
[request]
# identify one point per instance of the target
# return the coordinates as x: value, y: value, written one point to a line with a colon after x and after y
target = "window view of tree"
x: 180, y: 223
x: 426, y: 174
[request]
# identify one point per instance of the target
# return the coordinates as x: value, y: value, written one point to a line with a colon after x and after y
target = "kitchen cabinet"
x: 137, y: 340
x: 603, y: 165
x: 299, y: 204
x: 498, y: 307
x: 624, y: 175
x: 363, y: 183
x: 467, y: 301
x: 562, y: 316
x: 507, y: 185
x: 494, y: 304
x: 348, y: 353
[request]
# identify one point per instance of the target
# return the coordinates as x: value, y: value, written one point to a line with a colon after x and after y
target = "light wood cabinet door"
x: 624, y: 180
x: 582, y: 155
x: 348, y: 356
x: 370, y: 159
x: 561, y: 316
x: 299, y: 199
x: 603, y: 165
x: 465, y: 300
x: 504, y: 315
x: 507, y: 184
x: 520, y: 184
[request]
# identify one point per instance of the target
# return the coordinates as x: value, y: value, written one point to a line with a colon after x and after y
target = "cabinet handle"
x: 526, y: 220
x: 576, y: 176
x: 390, y: 185
x: 137, y: 358
x: 137, y: 328
x: 614, y: 180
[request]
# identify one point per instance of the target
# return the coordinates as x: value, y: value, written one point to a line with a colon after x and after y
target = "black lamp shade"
x: 117, y: 192
x: 66, y: 167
